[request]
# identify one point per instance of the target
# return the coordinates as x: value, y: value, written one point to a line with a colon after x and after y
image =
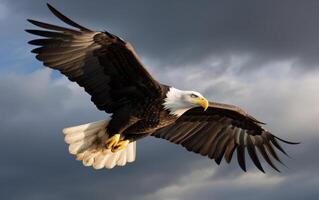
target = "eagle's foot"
x: 120, y: 145
x: 112, y: 141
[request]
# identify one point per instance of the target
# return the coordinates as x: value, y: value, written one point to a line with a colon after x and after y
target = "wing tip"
x: 31, y: 42
x: 52, y: 9
x: 49, y: 6
x: 65, y: 19
x: 32, y: 21
x: 218, y: 161
x: 31, y: 31
x: 286, y: 141
x: 258, y: 122
x: 262, y: 170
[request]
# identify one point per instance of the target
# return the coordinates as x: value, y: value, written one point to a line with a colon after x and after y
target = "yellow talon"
x: 120, y: 145
x: 112, y: 141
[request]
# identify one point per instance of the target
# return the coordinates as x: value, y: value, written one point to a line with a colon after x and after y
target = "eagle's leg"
x: 120, y: 145
x: 112, y: 141
x: 119, y: 123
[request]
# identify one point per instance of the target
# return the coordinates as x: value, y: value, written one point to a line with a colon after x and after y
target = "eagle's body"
x: 111, y: 72
x: 142, y: 119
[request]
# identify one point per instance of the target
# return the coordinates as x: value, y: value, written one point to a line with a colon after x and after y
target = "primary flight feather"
x: 109, y: 69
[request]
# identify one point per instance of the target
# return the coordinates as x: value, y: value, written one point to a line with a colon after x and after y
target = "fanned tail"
x: 86, y: 142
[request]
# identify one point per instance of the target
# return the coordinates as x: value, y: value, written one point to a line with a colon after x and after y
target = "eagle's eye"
x: 194, y: 96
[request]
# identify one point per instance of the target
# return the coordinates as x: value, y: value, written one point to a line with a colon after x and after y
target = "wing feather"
x: 230, y: 150
x: 253, y: 155
x: 222, y: 130
x: 221, y: 146
x: 66, y: 20
x: 241, y: 157
x: 100, y: 62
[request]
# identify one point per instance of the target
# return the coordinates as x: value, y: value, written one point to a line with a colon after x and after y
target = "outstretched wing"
x: 220, y: 131
x: 106, y: 66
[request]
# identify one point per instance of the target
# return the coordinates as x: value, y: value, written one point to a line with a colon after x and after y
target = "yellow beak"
x: 203, y: 102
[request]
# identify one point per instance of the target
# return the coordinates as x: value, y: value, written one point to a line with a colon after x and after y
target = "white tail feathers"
x: 86, y: 142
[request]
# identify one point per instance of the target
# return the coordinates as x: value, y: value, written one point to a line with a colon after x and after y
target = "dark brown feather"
x: 66, y: 20
x: 219, y: 131
x: 49, y: 34
x: 201, y: 146
x: 241, y: 157
x: 218, y: 156
x: 253, y: 155
x: 216, y: 142
x: 186, y: 134
x: 174, y: 129
x: 193, y: 132
x: 266, y: 157
x: 179, y: 135
x: 53, y: 27
x: 221, y: 145
x: 276, y: 144
x: 83, y: 54
x: 196, y: 134
x: 230, y: 150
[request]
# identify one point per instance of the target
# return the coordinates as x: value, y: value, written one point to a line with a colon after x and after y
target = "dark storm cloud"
x: 180, y: 32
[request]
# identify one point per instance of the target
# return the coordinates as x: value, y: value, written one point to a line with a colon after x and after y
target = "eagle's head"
x: 178, y: 101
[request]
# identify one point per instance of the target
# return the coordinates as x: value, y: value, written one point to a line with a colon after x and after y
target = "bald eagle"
x: 111, y: 72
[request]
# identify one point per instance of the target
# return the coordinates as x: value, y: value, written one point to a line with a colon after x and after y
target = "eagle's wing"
x: 106, y: 66
x: 221, y: 130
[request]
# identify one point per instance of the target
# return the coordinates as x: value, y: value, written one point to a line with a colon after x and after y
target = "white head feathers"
x: 178, y: 101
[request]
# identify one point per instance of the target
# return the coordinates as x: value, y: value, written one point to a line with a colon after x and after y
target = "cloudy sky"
x: 260, y: 55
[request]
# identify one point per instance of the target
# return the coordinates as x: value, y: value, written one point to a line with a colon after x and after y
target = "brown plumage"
x: 109, y: 69
x: 220, y: 131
